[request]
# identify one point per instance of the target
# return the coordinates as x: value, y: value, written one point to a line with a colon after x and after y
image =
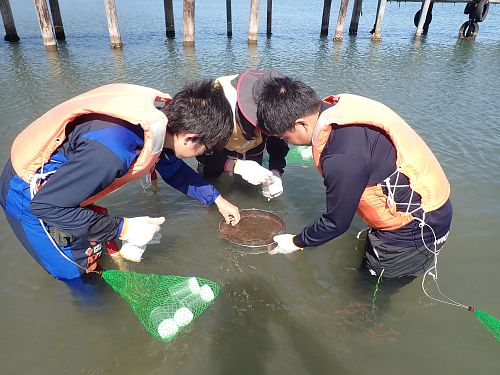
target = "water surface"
x: 309, y: 313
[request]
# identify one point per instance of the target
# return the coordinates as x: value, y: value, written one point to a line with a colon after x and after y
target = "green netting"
x: 165, y: 305
x: 491, y: 323
x: 300, y: 155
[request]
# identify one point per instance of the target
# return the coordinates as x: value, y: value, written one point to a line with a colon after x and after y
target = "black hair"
x: 202, y: 109
x: 283, y: 100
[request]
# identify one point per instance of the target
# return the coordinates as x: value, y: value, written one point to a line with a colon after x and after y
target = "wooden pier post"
x: 188, y: 17
x: 253, y: 24
x: 45, y: 24
x: 8, y: 22
x: 356, y: 13
x: 229, y: 21
x: 340, y: 21
x: 378, y: 22
x: 113, y: 27
x: 325, y: 22
x: 423, y: 17
x: 57, y: 19
x: 269, y: 16
x: 169, y: 18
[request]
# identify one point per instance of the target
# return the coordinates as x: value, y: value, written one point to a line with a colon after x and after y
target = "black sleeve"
x: 90, y: 169
x: 277, y: 150
x: 345, y: 178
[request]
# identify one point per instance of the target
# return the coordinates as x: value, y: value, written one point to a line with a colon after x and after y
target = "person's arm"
x: 57, y: 203
x: 277, y: 150
x: 183, y: 178
x: 345, y: 178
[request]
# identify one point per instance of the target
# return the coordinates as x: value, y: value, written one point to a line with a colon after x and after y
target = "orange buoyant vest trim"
x: 237, y: 141
x: 135, y: 104
x: 414, y: 159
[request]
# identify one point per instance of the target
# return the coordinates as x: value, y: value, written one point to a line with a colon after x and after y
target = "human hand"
x: 285, y: 244
x: 251, y: 171
x: 273, y: 187
x: 140, y: 231
x: 229, y: 211
x: 132, y: 252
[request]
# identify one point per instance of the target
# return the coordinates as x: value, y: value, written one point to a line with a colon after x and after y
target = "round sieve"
x: 255, y: 230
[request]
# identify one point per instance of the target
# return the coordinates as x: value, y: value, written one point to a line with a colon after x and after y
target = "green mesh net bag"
x: 300, y: 155
x: 491, y: 323
x: 165, y: 305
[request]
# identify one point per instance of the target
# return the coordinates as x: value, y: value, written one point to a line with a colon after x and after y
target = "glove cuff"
x: 124, y: 229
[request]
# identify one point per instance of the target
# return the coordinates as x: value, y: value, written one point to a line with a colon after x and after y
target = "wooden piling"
x: 378, y: 22
x: 269, y: 16
x: 45, y: 24
x: 113, y: 27
x: 341, y: 20
x: 253, y: 25
x: 229, y: 21
x: 169, y: 18
x: 188, y: 18
x: 57, y: 19
x: 325, y: 22
x: 8, y: 22
x: 356, y: 13
x: 423, y: 16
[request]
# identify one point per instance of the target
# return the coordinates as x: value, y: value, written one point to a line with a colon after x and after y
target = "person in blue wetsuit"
x: 93, y: 144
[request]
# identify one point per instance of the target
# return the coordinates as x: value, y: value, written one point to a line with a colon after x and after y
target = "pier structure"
x: 52, y: 29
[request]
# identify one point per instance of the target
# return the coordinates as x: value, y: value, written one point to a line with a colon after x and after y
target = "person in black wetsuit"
x: 372, y: 162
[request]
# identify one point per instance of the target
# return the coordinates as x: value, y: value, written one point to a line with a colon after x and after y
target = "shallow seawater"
x: 306, y: 313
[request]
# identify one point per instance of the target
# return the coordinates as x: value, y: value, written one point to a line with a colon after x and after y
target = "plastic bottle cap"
x: 167, y: 328
x: 206, y: 293
x: 183, y: 316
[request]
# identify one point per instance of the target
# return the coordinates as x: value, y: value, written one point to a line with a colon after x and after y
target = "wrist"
x: 218, y: 200
x: 122, y: 230
x: 276, y: 172
x: 297, y: 242
x: 229, y: 165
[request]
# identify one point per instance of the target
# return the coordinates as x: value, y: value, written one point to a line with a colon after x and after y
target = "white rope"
x: 434, y: 275
x: 358, y: 236
x: 146, y: 182
x: 391, y: 192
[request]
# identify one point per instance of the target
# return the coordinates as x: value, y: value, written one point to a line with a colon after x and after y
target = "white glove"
x: 273, y: 187
x: 285, y: 244
x: 140, y: 231
x: 132, y: 252
x: 251, y: 171
x: 136, y: 233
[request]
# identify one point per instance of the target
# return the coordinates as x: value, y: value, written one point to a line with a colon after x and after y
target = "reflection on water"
x: 309, y: 313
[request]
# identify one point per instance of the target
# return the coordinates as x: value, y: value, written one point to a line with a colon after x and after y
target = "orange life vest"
x: 414, y: 159
x: 33, y: 147
x: 237, y: 141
